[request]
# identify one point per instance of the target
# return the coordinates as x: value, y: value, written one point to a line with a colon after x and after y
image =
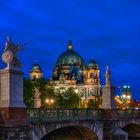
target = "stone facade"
x: 70, y: 71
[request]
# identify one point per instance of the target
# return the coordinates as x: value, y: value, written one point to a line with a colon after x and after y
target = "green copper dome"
x: 92, y: 64
x: 70, y: 57
x: 36, y: 67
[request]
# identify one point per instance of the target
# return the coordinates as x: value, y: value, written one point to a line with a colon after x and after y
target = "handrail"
x: 40, y: 115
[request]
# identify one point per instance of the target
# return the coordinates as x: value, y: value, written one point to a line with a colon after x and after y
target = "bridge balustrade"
x: 36, y: 115
x: 56, y: 115
x: 116, y: 114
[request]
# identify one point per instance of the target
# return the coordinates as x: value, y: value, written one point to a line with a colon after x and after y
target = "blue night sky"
x: 107, y: 30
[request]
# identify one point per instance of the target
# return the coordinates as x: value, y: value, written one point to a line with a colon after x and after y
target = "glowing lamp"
x: 124, y: 96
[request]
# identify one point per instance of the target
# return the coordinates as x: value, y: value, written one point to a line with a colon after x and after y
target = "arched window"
x: 91, y: 75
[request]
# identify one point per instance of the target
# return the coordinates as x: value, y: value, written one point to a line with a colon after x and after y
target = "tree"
x: 48, y: 94
x: 29, y: 90
x: 63, y: 98
x: 28, y: 95
x: 91, y: 103
x: 66, y: 98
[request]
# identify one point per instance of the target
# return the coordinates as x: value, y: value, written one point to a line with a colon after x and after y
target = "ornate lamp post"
x: 49, y: 102
x: 118, y: 101
x: 126, y: 96
x: 77, y: 91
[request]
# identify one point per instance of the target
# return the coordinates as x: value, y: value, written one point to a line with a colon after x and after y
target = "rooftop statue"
x: 108, y: 81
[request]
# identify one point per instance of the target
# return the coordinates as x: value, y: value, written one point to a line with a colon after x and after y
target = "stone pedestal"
x: 20, y: 132
x: 13, y: 116
x: 108, y: 97
x: 12, y: 108
x: 11, y: 88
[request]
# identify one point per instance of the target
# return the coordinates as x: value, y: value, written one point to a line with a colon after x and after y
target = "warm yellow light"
x: 116, y: 97
x: 128, y: 101
x: 128, y: 96
x: 47, y: 100
x: 124, y: 96
x: 76, y: 91
x: 52, y: 100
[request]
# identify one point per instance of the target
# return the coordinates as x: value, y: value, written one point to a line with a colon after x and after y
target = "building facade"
x: 71, y: 71
x: 36, y: 72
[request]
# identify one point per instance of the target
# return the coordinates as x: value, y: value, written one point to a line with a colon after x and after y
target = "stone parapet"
x: 18, y: 132
x: 13, y: 116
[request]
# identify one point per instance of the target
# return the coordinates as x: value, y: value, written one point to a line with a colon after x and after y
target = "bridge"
x: 86, y: 124
x: 17, y: 122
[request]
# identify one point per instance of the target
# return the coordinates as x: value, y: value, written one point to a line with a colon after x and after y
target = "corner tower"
x: 92, y: 73
x: 36, y: 72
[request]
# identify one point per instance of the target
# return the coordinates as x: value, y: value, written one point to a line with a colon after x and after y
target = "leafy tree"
x: 29, y: 90
x: 48, y: 94
x: 28, y: 94
x: 63, y: 98
x: 66, y: 98
x: 91, y: 104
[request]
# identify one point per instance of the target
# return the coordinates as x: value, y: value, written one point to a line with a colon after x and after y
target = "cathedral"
x: 71, y: 71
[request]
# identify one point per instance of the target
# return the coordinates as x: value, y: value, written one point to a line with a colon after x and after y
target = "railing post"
x: 39, y: 115
x: 58, y: 114
x: 73, y: 110
x: 87, y: 114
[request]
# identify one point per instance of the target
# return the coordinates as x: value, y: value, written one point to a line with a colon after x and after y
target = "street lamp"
x: 49, y: 102
x: 126, y: 95
x: 77, y: 91
x: 118, y: 101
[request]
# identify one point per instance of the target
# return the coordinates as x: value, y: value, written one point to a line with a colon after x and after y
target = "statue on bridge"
x: 108, y: 81
x: 10, y: 56
x: 37, y: 100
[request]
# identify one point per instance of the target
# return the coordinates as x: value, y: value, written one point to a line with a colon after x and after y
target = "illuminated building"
x: 36, y: 72
x: 71, y: 71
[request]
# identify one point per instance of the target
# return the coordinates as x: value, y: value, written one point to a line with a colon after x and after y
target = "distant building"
x: 36, y: 72
x: 71, y: 71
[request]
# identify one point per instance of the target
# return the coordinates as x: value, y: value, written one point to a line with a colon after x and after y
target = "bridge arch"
x: 126, y: 121
x: 71, y: 132
x: 133, y: 131
x: 41, y: 131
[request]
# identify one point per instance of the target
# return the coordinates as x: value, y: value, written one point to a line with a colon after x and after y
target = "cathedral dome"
x: 92, y: 64
x: 69, y: 57
x: 36, y: 67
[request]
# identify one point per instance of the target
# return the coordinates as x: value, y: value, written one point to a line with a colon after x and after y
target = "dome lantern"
x: 70, y: 45
x: 36, y: 67
x: 92, y: 64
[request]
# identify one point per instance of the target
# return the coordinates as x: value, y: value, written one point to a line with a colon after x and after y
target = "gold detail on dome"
x: 70, y: 45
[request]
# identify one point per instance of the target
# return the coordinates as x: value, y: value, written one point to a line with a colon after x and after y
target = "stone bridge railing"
x: 57, y: 115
